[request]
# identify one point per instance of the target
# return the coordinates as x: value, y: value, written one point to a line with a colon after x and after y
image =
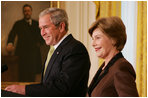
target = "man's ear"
x: 62, y: 27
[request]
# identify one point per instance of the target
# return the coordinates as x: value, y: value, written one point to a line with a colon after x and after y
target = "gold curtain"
x: 55, y: 4
x: 105, y: 9
x: 108, y: 8
x: 141, y: 62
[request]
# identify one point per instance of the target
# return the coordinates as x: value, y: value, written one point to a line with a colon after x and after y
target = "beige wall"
x: 11, y: 11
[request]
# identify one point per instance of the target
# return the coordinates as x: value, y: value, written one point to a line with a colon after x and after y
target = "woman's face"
x: 102, y: 44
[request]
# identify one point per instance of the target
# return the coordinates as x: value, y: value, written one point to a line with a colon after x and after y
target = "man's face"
x: 50, y: 33
x: 27, y: 12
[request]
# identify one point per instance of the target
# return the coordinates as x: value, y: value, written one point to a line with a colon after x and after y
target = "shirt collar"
x: 29, y: 21
x: 55, y: 46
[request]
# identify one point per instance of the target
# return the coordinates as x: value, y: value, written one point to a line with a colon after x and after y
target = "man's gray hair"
x: 57, y: 16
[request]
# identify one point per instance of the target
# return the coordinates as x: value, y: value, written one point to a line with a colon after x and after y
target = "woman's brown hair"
x: 113, y: 27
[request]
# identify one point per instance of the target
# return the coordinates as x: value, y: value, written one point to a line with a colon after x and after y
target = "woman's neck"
x: 109, y: 57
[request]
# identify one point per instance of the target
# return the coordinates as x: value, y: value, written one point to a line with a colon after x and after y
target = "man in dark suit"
x: 67, y: 70
x: 27, y: 48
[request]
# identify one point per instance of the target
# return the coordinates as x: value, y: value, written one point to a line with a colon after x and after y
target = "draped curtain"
x: 55, y: 4
x: 106, y: 9
x: 141, y: 62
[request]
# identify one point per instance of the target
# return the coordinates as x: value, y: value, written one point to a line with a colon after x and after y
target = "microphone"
x: 4, y: 68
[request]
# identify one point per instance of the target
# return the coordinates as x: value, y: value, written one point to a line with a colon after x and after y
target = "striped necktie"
x: 48, y: 58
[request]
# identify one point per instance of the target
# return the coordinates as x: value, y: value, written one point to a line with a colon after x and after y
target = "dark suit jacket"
x: 27, y: 48
x: 67, y: 72
x: 28, y: 36
x: 117, y: 79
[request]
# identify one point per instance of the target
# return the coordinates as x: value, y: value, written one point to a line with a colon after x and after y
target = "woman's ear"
x: 113, y: 42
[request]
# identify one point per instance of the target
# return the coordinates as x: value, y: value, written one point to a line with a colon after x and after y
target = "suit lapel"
x: 55, y: 56
x: 98, y: 77
x: 51, y: 63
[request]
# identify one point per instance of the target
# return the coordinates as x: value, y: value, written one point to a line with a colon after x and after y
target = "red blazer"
x: 117, y: 79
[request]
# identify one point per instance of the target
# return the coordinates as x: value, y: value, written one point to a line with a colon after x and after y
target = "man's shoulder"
x: 19, y: 21
x: 34, y: 21
x: 71, y: 43
x: 22, y: 21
